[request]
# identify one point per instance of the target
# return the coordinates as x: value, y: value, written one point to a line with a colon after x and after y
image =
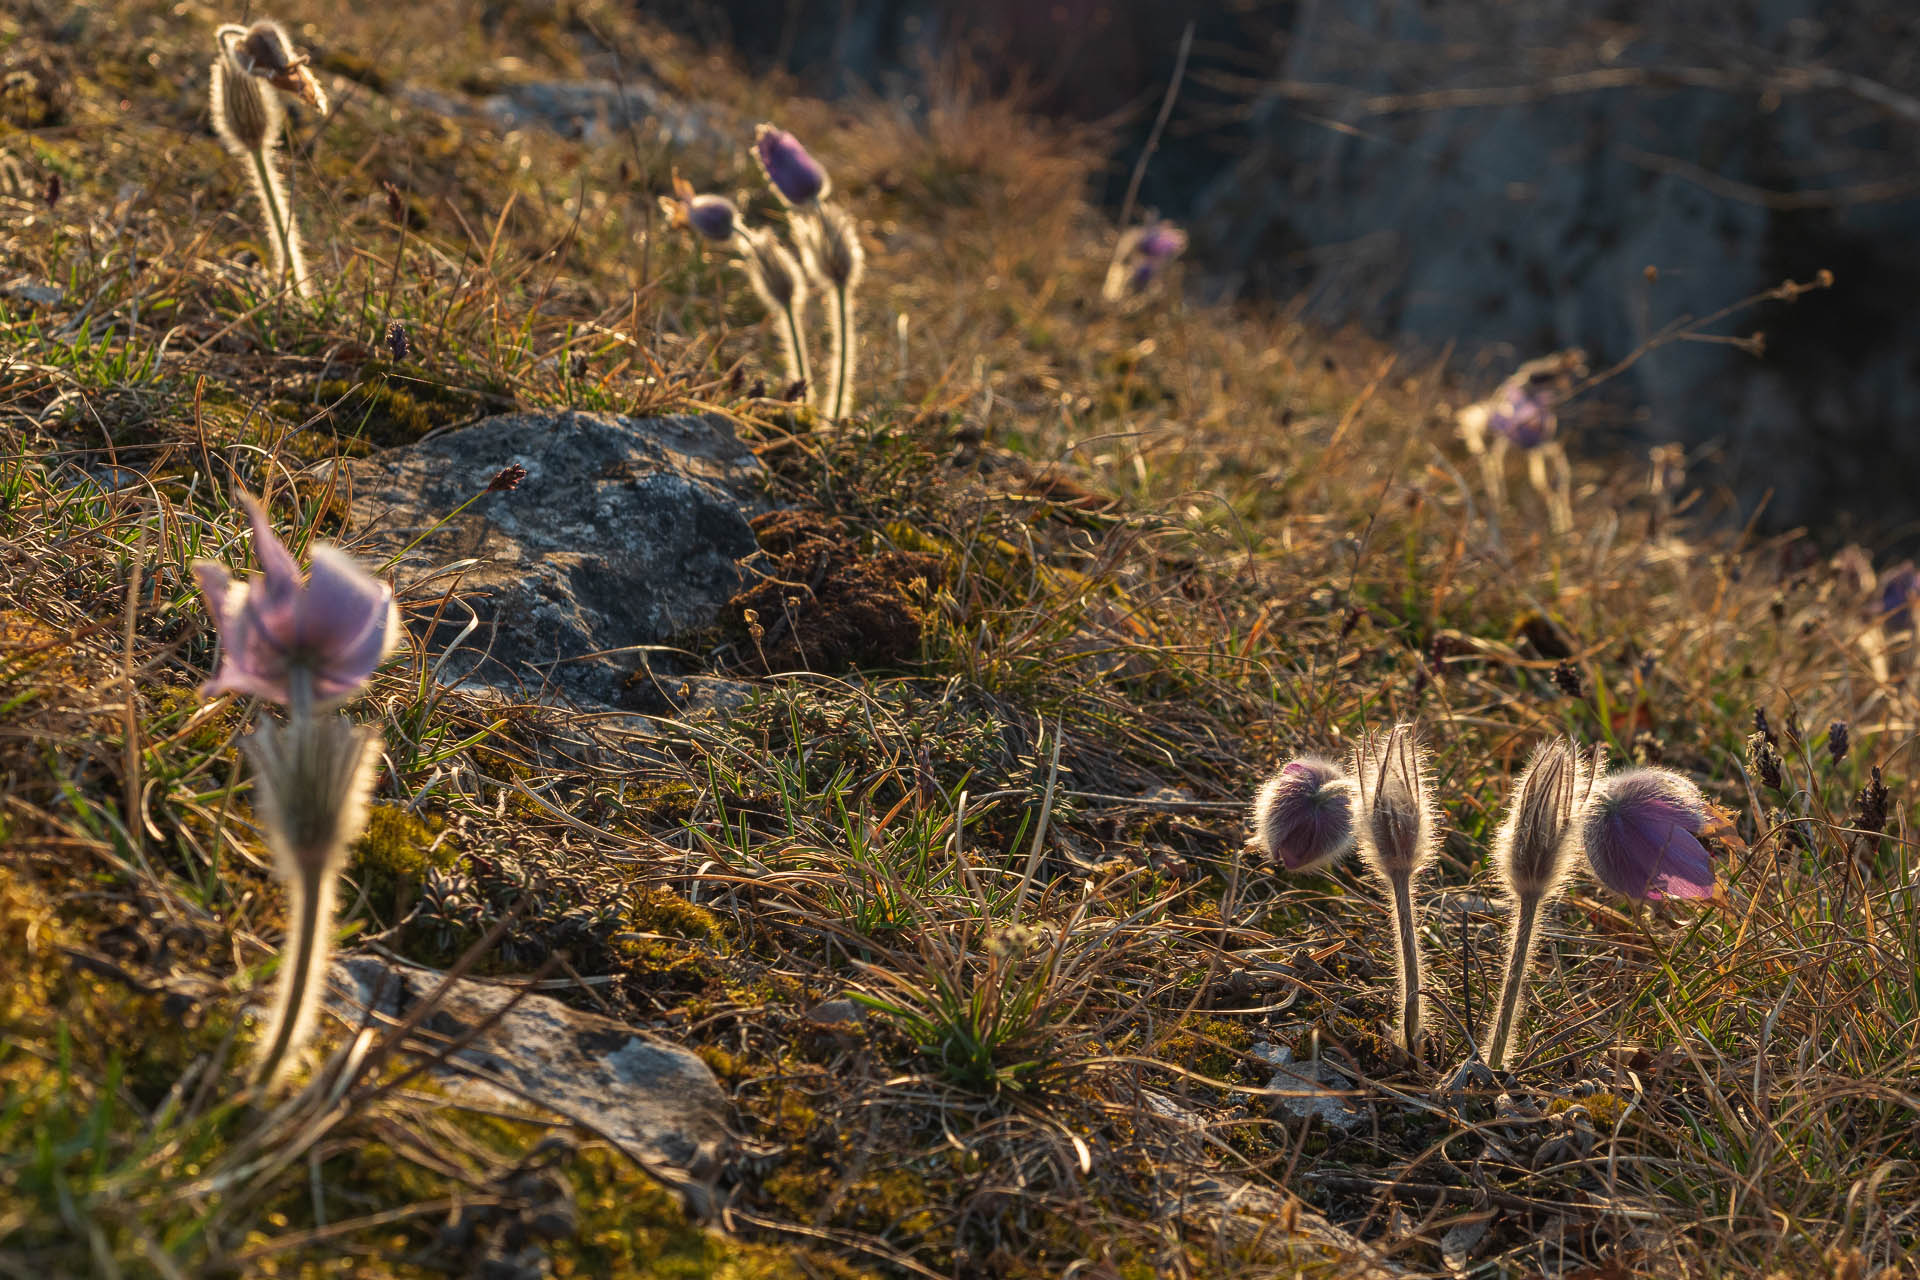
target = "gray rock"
x: 1497, y: 177
x: 654, y: 1099
x: 625, y: 532
x: 591, y: 110
x: 1313, y: 1089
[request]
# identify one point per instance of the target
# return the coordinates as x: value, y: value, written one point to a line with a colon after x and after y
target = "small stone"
x: 1314, y: 1089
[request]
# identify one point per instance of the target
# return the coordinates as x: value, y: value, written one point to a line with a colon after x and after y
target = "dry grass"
x: 1147, y: 553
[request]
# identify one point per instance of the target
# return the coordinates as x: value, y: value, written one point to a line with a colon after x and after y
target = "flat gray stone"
x: 625, y: 533
x: 655, y: 1099
x: 1313, y: 1089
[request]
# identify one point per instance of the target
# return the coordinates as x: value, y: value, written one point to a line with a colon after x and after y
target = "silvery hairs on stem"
x: 1397, y: 829
x: 254, y: 66
x: 307, y: 642
x: 1534, y: 850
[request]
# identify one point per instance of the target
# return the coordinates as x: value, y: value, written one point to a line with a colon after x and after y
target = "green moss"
x: 1606, y: 1109
x: 391, y: 858
x: 383, y: 409
x: 1213, y: 1047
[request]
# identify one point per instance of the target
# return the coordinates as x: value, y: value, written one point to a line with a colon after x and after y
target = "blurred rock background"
x: 1492, y: 178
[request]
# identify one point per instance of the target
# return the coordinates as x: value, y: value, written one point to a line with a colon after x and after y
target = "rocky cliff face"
x: 1495, y: 177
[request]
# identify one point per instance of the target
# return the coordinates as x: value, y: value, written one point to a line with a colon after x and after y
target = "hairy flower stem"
x: 304, y: 957
x: 842, y: 350
x: 286, y: 239
x: 1409, y: 968
x: 797, y: 349
x: 1526, y: 915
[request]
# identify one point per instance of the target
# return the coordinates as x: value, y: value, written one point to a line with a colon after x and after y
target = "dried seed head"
x: 1534, y: 847
x: 397, y: 340
x: 1397, y: 824
x: 247, y: 117
x: 1303, y: 815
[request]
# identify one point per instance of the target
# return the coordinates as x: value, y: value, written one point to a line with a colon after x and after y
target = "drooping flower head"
x: 1534, y: 847
x: 1524, y: 410
x: 1142, y: 254
x: 1303, y: 815
x: 282, y: 633
x: 795, y: 176
x: 1397, y: 823
x: 1642, y: 834
x: 1523, y: 413
x: 712, y: 218
x: 263, y: 50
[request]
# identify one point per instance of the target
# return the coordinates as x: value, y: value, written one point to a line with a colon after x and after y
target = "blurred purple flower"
x: 328, y: 631
x: 1897, y: 592
x: 794, y: 175
x: 1303, y: 815
x: 712, y: 218
x: 1522, y: 411
x: 1642, y: 835
x: 1143, y: 253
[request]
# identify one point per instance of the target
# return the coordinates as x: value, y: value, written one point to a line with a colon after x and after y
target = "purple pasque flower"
x: 1642, y: 833
x: 1522, y: 411
x: 1154, y: 247
x: 288, y: 638
x: 795, y: 176
x: 1303, y: 815
x: 1897, y: 592
x: 713, y: 218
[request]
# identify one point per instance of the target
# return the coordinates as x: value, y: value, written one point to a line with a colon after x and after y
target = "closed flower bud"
x: 1534, y: 847
x: 712, y: 218
x: 1142, y: 254
x: 1642, y: 835
x: 795, y: 176
x: 1303, y: 815
x: 246, y: 117
x: 1397, y: 825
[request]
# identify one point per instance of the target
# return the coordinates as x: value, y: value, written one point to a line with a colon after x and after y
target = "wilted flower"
x: 1143, y: 253
x: 1642, y: 835
x: 795, y: 176
x: 712, y: 218
x: 508, y: 479
x: 289, y: 639
x: 1303, y: 815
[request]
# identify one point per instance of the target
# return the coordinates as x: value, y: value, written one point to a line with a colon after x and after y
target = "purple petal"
x: 346, y: 621
x: 714, y: 217
x: 1304, y: 816
x: 795, y: 174
x: 1641, y: 837
x: 276, y: 562
x: 1522, y: 417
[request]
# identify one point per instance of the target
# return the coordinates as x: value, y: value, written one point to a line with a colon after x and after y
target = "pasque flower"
x: 1397, y: 829
x: 1303, y: 815
x: 795, y: 176
x: 288, y: 637
x: 712, y: 218
x: 1532, y: 852
x: 1642, y: 834
x: 1142, y: 254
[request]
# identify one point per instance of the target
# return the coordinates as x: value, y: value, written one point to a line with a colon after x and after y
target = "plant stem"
x: 1526, y: 914
x: 283, y: 236
x: 843, y: 349
x: 309, y: 945
x: 797, y: 346
x: 1409, y: 962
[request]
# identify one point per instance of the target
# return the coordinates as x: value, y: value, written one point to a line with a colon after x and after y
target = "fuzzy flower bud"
x: 795, y: 176
x: 1303, y: 815
x: 246, y: 117
x: 1535, y: 843
x: 1397, y: 824
x: 1642, y: 835
x: 284, y: 637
